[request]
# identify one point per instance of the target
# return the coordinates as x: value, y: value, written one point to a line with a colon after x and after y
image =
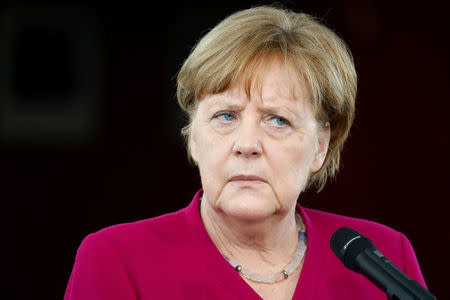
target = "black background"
x: 133, y: 164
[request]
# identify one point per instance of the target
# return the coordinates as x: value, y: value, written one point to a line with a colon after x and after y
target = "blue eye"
x: 226, y: 116
x: 279, y: 121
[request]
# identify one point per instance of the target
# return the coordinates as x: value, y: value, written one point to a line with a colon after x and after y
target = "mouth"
x: 247, y: 179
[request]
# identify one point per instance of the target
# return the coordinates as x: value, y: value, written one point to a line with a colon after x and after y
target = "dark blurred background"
x: 89, y: 125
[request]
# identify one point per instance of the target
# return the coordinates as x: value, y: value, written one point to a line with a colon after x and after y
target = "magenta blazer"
x: 172, y: 257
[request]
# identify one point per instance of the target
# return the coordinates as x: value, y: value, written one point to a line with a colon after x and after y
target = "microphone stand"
x: 393, y: 278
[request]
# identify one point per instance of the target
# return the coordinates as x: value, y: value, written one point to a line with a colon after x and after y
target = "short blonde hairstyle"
x: 232, y: 50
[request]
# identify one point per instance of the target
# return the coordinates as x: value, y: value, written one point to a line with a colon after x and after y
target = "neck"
x: 264, y: 246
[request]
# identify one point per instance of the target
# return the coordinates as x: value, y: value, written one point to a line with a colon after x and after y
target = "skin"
x: 255, y: 156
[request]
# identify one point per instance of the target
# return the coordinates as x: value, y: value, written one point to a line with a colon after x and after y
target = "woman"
x: 270, y: 97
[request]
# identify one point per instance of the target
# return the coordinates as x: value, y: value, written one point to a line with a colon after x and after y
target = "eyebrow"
x: 280, y: 110
x: 229, y: 103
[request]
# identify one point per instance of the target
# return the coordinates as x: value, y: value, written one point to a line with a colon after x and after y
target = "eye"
x: 225, y: 116
x: 279, y: 121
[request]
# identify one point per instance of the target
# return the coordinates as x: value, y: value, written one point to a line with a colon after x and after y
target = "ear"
x: 322, y: 148
x: 192, y: 145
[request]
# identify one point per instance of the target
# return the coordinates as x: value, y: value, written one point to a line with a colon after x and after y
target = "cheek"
x: 210, y: 147
x: 292, y: 162
x: 212, y: 167
x: 211, y: 155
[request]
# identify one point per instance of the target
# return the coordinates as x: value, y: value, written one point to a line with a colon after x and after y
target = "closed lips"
x: 247, y: 178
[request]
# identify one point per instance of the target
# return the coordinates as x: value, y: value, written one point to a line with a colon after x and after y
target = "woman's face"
x: 255, y: 155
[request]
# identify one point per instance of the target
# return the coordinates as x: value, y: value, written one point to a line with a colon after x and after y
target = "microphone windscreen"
x: 347, y: 243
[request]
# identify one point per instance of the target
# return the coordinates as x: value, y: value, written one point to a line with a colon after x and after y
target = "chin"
x: 247, y: 206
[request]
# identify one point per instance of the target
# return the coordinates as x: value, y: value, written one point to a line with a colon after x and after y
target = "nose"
x: 247, y: 143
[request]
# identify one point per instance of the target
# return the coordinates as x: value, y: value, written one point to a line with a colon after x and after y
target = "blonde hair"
x: 232, y: 50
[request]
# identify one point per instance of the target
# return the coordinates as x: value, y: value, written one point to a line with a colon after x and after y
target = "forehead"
x: 272, y: 81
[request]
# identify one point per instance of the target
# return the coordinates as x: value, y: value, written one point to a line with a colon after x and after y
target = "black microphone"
x: 359, y: 254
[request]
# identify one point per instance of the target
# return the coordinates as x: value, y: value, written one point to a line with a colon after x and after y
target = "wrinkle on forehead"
x: 253, y: 78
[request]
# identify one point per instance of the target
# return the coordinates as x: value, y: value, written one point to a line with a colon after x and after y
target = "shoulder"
x: 324, y: 224
x: 120, y: 256
x: 139, y: 236
x: 329, y: 222
x: 392, y: 243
